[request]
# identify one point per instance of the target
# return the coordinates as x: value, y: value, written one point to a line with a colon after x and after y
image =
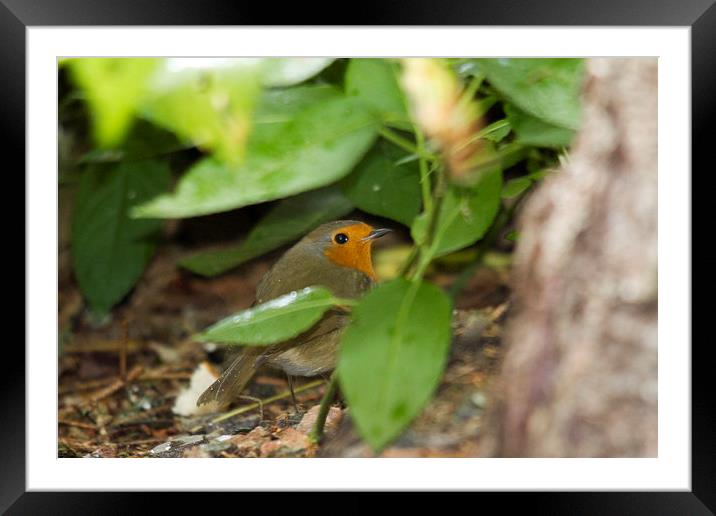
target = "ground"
x: 119, y: 377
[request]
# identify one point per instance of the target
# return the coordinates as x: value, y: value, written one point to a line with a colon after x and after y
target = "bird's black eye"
x: 341, y: 238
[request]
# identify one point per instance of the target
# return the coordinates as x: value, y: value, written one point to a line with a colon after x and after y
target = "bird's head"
x: 347, y: 243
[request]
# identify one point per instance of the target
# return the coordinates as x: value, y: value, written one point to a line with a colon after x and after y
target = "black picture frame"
x: 17, y: 15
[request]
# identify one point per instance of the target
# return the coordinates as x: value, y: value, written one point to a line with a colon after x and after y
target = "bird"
x: 335, y: 255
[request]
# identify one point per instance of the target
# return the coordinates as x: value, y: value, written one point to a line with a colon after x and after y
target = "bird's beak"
x: 377, y: 233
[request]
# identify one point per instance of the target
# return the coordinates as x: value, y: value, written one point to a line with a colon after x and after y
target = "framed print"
x: 378, y: 257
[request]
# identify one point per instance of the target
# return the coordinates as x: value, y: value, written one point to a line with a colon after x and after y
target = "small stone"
x: 479, y: 399
x: 248, y: 445
x: 334, y: 417
x: 289, y: 442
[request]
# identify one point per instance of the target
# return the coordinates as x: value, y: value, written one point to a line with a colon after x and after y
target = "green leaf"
x: 381, y: 187
x: 496, y: 131
x: 287, y: 71
x: 374, y: 82
x: 113, y: 88
x: 320, y: 144
x: 533, y: 131
x: 274, y: 321
x: 511, y: 154
x: 145, y: 140
x: 548, y: 89
x: 466, y: 213
x: 279, y: 106
x: 109, y: 249
x: 512, y: 236
x: 392, y: 356
x: 206, y: 101
x: 288, y: 220
x: 515, y: 187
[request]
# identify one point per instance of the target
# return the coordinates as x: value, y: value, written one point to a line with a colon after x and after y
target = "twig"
x: 118, y: 384
x: 164, y: 374
x: 86, y: 386
x: 139, y: 442
x: 74, y: 444
x: 123, y: 350
x: 78, y: 424
x: 317, y: 433
x: 247, y: 408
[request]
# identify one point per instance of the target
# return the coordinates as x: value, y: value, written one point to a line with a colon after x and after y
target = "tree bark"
x: 579, y: 377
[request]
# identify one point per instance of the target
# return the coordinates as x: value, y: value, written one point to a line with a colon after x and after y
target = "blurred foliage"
x: 440, y: 146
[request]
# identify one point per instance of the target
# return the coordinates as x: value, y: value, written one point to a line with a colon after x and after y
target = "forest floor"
x: 127, y: 384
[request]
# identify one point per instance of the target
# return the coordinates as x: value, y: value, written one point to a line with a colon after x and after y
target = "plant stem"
x: 317, y: 433
x: 280, y: 396
x: 405, y: 144
x: 409, y: 262
x: 469, y: 92
x: 427, y: 248
x: 425, y: 185
x: 342, y: 301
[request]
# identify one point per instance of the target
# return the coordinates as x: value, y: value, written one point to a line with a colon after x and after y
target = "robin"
x: 336, y: 255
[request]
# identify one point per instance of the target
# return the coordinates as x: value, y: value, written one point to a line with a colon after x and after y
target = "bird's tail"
x: 232, y: 381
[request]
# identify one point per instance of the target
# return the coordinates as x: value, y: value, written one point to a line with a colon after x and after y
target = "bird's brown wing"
x: 232, y: 381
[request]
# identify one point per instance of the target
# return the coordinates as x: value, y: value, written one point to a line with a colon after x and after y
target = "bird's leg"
x: 289, y: 378
x: 317, y: 433
x: 260, y: 403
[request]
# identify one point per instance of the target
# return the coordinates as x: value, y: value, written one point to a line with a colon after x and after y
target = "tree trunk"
x: 579, y: 377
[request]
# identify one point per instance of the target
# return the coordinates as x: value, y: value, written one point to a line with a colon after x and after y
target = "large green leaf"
x: 274, y: 321
x: 392, y: 356
x: 206, y: 101
x: 515, y: 187
x: 533, y: 131
x: 109, y: 249
x: 113, y: 88
x: 316, y: 146
x: 288, y: 220
x: 382, y: 187
x: 145, y: 140
x: 374, y: 82
x: 465, y: 214
x: 276, y: 107
x: 548, y: 89
x: 287, y: 71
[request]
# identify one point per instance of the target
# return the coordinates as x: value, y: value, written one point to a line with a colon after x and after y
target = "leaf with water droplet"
x: 274, y: 321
